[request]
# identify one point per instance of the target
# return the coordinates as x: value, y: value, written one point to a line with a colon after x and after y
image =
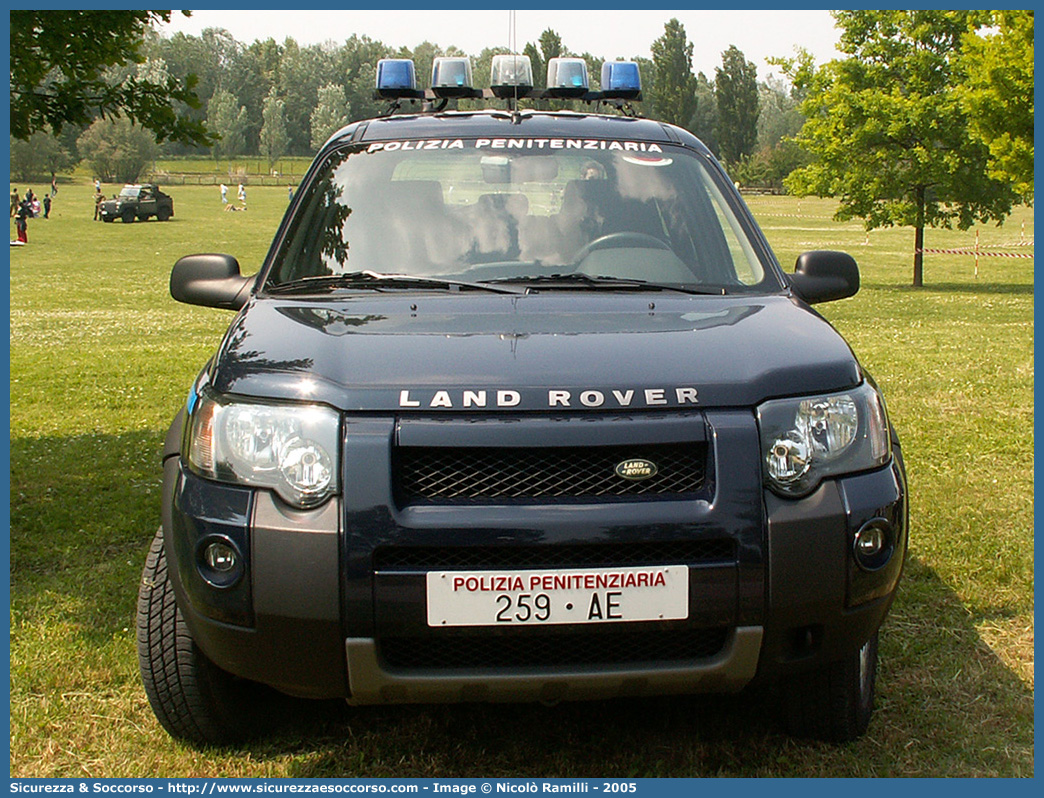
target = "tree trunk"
x: 918, y: 274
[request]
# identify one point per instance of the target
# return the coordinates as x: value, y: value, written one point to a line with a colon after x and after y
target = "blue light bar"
x: 621, y: 80
x: 396, y: 77
x: 566, y: 77
x: 451, y: 77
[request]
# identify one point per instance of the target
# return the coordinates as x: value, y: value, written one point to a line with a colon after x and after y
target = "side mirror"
x: 213, y: 281
x: 824, y: 275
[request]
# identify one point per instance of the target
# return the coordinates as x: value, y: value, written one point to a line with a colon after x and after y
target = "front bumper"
x: 332, y: 601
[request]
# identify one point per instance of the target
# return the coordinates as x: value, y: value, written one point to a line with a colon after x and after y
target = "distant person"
x: 99, y: 198
x: 22, y: 221
x: 97, y: 186
x: 242, y: 193
x: 54, y: 184
x: 14, y: 202
x: 231, y: 207
x: 37, y: 208
x: 47, y: 206
x: 289, y: 193
x: 224, y: 194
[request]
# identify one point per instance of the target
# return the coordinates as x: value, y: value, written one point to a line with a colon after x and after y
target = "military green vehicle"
x: 138, y: 202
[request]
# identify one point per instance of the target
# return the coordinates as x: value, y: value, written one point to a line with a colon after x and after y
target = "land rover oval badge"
x: 636, y: 469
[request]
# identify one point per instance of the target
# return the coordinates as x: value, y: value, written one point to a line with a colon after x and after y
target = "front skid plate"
x: 728, y: 671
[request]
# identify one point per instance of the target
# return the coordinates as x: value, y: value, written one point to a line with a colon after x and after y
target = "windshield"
x: 130, y: 191
x: 496, y: 209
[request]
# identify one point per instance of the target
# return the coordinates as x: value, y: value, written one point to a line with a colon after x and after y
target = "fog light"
x: 872, y: 546
x: 869, y: 542
x: 220, y: 557
x: 219, y: 562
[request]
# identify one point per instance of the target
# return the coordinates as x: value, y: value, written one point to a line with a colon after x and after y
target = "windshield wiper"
x: 581, y: 280
x: 378, y: 281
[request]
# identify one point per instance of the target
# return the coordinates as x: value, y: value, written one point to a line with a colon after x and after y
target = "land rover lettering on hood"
x: 521, y: 406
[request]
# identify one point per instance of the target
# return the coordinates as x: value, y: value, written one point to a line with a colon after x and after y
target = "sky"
x: 606, y: 33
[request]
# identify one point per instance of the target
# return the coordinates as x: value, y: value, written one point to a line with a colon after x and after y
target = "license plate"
x: 541, y: 597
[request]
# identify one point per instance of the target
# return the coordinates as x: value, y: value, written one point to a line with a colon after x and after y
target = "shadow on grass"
x: 83, y: 510
x: 947, y: 706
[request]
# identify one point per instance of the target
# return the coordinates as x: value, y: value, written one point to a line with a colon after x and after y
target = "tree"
x: 301, y: 73
x: 594, y: 69
x: 228, y: 120
x: 550, y: 47
x: 704, y: 124
x: 330, y: 114
x: 778, y: 114
x: 647, y: 72
x: 675, y: 85
x: 423, y: 55
x: 117, y: 149
x: 356, y: 64
x: 999, y: 96
x: 536, y: 61
x: 57, y: 74
x: 736, y: 92
x: 251, y: 76
x: 184, y: 56
x: 888, y: 130
x: 481, y: 69
x: 38, y: 158
x: 274, y: 139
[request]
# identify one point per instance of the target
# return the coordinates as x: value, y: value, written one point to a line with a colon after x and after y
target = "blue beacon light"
x: 396, y: 77
x: 621, y: 80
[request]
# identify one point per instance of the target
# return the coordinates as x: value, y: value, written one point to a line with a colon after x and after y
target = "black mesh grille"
x: 570, y: 648
x: 686, y: 552
x: 454, y: 474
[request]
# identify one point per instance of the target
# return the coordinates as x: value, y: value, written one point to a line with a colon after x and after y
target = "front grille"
x: 569, y: 648
x: 585, y: 555
x: 460, y: 474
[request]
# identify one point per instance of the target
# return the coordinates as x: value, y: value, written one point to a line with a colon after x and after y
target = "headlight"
x: 805, y: 440
x: 291, y: 449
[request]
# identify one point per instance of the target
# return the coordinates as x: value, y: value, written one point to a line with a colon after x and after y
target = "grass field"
x: 210, y: 170
x: 101, y: 359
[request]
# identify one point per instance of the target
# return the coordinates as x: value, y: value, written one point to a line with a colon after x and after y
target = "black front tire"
x: 193, y: 699
x: 128, y: 217
x: 835, y: 702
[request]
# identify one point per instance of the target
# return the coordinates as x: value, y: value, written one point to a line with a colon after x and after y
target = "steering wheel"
x: 619, y: 241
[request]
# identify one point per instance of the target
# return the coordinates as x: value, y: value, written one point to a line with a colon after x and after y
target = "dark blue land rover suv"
x: 521, y: 406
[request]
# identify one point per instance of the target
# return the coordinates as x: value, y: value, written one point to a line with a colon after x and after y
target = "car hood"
x: 578, y: 350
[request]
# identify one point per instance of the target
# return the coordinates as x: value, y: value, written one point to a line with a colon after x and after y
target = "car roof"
x: 504, y: 124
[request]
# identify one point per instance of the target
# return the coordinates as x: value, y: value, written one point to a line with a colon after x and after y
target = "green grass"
x: 101, y: 359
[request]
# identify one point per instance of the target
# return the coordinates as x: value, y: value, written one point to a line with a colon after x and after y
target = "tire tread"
x: 828, y: 704
x: 191, y: 697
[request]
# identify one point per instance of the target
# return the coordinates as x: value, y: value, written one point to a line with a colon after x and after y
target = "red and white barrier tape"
x: 807, y: 216
x: 979, y: 253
